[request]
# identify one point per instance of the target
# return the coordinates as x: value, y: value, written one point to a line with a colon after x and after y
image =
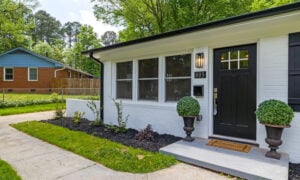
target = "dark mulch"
x: 128, y: 138
x: 294, y: 171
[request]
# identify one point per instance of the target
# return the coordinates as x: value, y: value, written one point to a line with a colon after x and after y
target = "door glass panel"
x: 233, y: 65
x: 244, y: 64
x: 244, y: 54
x: 224, y: 56
x: 234, y: 55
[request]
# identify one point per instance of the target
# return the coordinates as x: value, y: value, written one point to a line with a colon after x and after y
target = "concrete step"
x: 251, y: 165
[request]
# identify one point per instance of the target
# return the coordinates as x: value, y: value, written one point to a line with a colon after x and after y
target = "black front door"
x: 235, y: 91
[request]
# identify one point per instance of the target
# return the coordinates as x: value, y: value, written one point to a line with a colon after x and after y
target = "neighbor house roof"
x: 228, y: 21
x: 56, y: 63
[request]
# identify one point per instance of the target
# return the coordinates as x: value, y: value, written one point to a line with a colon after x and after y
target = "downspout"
x: 58, y: 70
x: 101, y: 83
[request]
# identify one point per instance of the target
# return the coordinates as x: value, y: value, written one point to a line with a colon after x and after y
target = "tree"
x: 70, y: 31
x: 15, y: 25
x: 47, y: 28
x: 86, y: 39
x: 148, y: 17
x: 109, y: 38
x: 52, y: 52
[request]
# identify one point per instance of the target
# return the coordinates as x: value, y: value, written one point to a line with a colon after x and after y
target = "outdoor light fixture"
x: 199, y: 61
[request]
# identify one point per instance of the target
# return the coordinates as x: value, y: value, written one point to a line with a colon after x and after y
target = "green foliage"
x: 150, y: 17
x: 188, y: 106
x: 15, y: 24
x: 77, y: 117
x: 7, y: 172
x: 59, y: 108
x: 112, y: 155
x: 96, y: 111
x: 122, y: 121
x: 274, y: 112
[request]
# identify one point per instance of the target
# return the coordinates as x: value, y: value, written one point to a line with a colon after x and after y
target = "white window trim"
x: 37, y: 74
x: 4, y: 74
x: 120, y: 80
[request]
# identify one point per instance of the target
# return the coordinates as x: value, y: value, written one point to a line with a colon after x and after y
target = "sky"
x: 75, y: 10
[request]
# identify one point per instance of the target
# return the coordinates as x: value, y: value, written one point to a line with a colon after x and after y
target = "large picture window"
x: 178, y: 77
x: 148, y: 79
x: 124, y: 80
x: 8, y: 74
x: 32, y: 74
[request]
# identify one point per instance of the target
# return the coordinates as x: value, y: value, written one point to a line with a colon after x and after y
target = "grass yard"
x: 7, y: 172
x: 28, y: 109
x: 112, y: 155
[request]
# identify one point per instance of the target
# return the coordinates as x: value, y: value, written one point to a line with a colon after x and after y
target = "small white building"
x: 247, y: 59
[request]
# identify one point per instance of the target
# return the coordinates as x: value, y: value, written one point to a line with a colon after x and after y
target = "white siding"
x: 273, y: 84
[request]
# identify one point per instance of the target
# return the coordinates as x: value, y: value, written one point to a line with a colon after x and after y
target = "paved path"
x: 36, y: 160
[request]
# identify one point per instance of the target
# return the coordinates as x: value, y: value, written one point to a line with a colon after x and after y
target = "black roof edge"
x: 231, y: 20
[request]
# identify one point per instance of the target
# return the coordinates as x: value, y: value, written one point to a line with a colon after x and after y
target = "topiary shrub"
x: 188, y: 106
x: 274, y: 112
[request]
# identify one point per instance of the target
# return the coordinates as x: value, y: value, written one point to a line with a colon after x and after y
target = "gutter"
x: 59, y: 70
x: 101, y: 83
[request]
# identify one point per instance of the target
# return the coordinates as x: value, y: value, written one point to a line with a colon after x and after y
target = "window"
x: 232, y: 60
x: 32, y: 74
x: 178, y: 77
x: 124, y: 80
x: 148, y: 79
x: 8, y: 74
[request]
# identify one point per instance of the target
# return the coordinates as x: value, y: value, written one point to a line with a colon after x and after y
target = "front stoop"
x: 252, y: 165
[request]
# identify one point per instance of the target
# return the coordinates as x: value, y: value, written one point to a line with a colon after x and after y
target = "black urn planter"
x: 273, y: 139
x: 189, y: 128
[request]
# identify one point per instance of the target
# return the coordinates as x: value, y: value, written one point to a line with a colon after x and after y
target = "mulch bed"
x: 127, y: 138
x: 294, y: 171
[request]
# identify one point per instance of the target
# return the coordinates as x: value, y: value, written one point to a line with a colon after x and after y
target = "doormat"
x: 245, y: 148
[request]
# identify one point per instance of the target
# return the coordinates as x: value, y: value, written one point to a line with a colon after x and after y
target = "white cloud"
x: 87, y: 17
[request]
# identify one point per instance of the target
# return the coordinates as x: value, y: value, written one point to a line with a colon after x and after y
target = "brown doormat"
x: 245, y: 148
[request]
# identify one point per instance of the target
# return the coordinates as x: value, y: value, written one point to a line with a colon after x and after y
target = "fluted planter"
x: 273, y: 139
x: 189, y: 128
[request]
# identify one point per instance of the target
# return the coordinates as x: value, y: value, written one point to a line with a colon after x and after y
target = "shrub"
x: 122, y: 121
x: 78, y: 116
x: 96, y: 111
x: 274, y: 112
x: 145, y: 134
x: 188, y: 106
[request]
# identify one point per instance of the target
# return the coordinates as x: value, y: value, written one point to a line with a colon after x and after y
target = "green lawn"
x: 112, y: 155
x: 7, y: 172
x: 27, y: 109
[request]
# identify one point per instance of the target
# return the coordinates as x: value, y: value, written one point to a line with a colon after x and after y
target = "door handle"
x: 215, y: 101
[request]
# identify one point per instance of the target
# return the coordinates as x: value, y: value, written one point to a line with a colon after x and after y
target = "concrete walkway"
x: 34, y: 159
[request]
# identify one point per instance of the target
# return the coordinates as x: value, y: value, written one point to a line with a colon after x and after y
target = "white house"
x: 247, y: 59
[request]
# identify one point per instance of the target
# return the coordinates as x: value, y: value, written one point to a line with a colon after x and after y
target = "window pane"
x: 224, y: 56
x: 178, y: 66
x: 32, y: 74
x: 244, y: 54
x: 124, y: 89
x: 224, y: 65
x: 148, y: 89
x: 234, y: 55
x: 177, y: 88
x: 148, y: 68
x: 233, y: 65
x: 244, y: 64
x: 9, y: 74
x: 124, y: 70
